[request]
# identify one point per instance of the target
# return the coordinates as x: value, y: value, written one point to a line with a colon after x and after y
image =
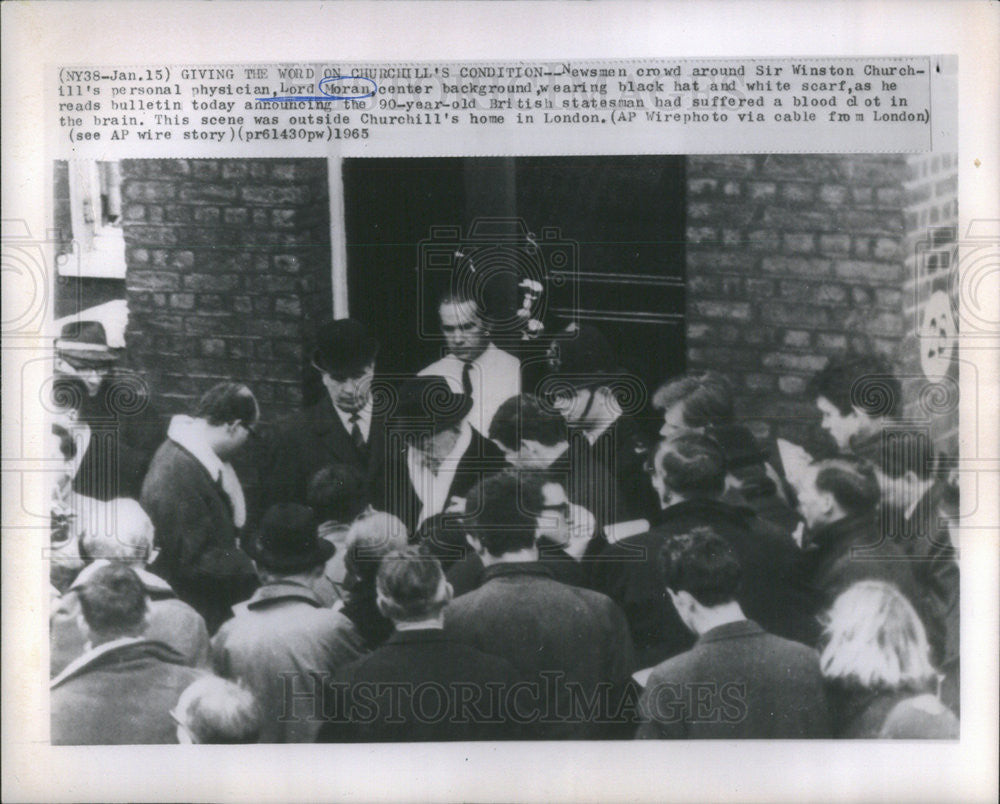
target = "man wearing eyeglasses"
x: 196, y: 502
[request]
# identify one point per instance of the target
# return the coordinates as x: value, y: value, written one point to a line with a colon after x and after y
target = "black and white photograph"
x: 512, y: 449
x: 603, y: 447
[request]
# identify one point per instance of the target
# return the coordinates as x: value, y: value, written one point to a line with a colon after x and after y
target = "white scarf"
x: 187, y: 432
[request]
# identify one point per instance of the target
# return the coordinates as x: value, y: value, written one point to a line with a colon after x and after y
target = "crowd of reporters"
x: 457, y: 566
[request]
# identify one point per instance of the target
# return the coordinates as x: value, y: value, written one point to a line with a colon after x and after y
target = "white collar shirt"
x: 495, y: 378
x: 432, y: 487
x: 364, y: 419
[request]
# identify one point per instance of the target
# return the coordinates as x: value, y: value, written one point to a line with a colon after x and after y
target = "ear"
x: 474, y: 543
x: 449, y: 592
x: 382, y: 605
x: 827, y: 502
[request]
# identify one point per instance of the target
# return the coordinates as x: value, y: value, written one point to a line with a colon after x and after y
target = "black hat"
x: 430, y: 401
x: 287, y: 540
x: 584, y: 359
x: 84, y: 343
x: 344, y: 348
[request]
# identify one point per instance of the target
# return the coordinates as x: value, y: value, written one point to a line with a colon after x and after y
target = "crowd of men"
x: 451, y: 556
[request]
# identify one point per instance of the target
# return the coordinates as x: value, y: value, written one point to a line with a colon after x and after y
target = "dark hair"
x: 228, y: 402
x: 693, y: 464
x: 525, y: 418
x: 706, y: 398
x: 113, y: 600
x: 852, y: 483
x: 220, y: 712
x: 866, y: 382
x: 502, y: 512
x: 702, y: 563
x: 902, y: 451
x: 337, y: 492
x: 408, y: 581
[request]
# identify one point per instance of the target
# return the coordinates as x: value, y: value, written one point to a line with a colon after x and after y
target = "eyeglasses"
x: 562, y: 508
x: 251, y: 429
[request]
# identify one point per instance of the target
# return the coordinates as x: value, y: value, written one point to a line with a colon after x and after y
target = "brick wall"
x: 228, y: 270
x: 791, y: 259
x: 931, y: 221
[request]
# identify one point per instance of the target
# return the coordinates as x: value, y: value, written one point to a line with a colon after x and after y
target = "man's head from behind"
x: 113, y: 604
x: 688, y: 465
x: 530, y: 434
x: 853, y: 395
x: 411, y: 587
x: 230, y: 412
x: 215, y: 711
x: 462, y: 326
x: 701, y: 573
x: 905, y: 465
x: 502, y: 512
x: 371, y: 537
x: 337, y: 493
x: 287, y: 544
x: 127, y: 537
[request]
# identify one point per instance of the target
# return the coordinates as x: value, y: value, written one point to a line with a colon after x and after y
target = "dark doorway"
x: 624, y: 217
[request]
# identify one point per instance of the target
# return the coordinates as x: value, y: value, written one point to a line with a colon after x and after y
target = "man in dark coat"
x: 703, y: 402
x: 419, y: 658
x: 607, y: 445
x: 196, y: 502
x: 122, y: 690
x: 689, y: 472
x: 913, y: 519
x: 738, y: 681
x: 843, y: 542
x: 342, y: 428
x: 571, y: 644
x: 434, y: 457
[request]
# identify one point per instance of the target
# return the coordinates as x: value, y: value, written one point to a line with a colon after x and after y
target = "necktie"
x: 356, y: 435
x: 467, y: 379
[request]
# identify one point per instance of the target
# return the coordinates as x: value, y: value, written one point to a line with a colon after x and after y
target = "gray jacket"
x: 284, y: 644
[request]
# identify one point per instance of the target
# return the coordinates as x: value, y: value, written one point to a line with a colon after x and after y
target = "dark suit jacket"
x: 298, y: 446
x: 572, y: 642
x: 608, y: 477
x: 773, y: 592
x: 397, y: 495
x: 853, y: 549
x: 121, y: 697
x: 420, y: 686
x: 923, y: 537
x: 736, y: 682
x: 199, y: 554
